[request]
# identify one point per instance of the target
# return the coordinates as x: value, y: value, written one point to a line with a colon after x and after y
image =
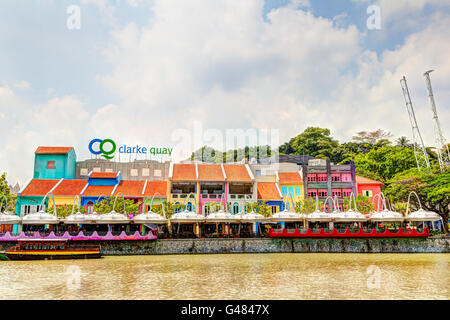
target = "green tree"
x: 316, y: 142
x: 106, y: 205
x: 386, y: 161
x: 433, y: 190
x: 403, y: 142
x: 6, y: 191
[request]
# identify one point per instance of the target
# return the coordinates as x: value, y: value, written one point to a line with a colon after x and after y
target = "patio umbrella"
x: 151, y: 217
x: 7, y: 217
x: 114, y: 217
x: 386, y: 215
x: 42, y: 217
x: 351, y: 215
x: 76, y: 218
x: 420, y: 215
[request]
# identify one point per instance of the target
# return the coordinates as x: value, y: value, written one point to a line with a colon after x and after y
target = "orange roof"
x: 53, y: 150
x: 105, y: 175
x: 70, y: 187
x: 184, y: 172
x: 363, y: 180
x: 237, y: 173
x: 210, y: 172
x: 290, y: 177
x: 130, y: 188
x: 39, y: 187
x: 268, y: 191
x: 154, y: 187
x: 96, y: 191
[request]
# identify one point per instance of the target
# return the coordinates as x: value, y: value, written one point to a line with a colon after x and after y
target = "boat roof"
x: 44, y: 240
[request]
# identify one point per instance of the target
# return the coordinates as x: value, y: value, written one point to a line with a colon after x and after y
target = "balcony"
x: 209, y: 196
x: 181, y: 196
x: 241, y: 197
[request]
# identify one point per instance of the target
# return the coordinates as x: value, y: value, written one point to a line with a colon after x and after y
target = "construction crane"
x: 439, y: 140
x: 419, y: 148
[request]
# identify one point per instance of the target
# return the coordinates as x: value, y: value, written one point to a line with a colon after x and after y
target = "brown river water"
x: 232, y: 276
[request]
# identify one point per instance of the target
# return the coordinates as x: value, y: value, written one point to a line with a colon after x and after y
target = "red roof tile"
x: 39, y: 187
x: 363, y: 180
x: 183, y: 172
x: 130, y: 188
x: 290, y: 177
x: 70, y: 187
x: 237, y: 173
x: 96, y: 191
x: 53, y: 150
x: 154, y: 187
x: 104, y: 175
x: 210, y: 172
x: 268, y: 191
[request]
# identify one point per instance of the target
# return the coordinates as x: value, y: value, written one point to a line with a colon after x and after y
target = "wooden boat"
x: 41, y: 249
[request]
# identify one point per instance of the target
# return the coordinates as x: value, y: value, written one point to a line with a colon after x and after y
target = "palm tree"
x: 403, y: 142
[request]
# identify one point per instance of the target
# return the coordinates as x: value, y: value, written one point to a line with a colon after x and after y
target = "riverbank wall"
x: 270, y: 245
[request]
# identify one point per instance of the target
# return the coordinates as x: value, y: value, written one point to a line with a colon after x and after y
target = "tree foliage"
x: 433, y: 190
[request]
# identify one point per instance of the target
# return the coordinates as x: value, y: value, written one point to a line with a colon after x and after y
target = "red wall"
x: 375, y: 188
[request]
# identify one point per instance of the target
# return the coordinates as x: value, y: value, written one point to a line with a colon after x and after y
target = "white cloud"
x: 22, y: 84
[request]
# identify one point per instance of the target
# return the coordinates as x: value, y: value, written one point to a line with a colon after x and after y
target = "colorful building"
x: 54, y: 163
x: 324, y: 179
x: 270, y: 194
x: 291, y: 183
x: 368, y: 188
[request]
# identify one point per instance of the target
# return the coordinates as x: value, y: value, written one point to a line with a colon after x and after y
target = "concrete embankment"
x: 267, y: 245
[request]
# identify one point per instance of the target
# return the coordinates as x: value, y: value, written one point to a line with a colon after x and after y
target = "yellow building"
x: 66, y: 190
x: 291, y: 183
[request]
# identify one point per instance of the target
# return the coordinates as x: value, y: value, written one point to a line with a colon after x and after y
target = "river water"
x: 234, y: 276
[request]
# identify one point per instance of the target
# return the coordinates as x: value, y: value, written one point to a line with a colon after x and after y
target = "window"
x: 97, y: 169
x: 235, y: 208
x: 347, y: 177
x: 258, y: 173
x: 335, y: 177
x: 133, y: 172
x: 291, y: 191
x: 284, y: 191
x: 346, y: 192
x: 336, y: 192
x: 322, y: 177
x: 145, y: 172
x: 274, y: 209
x: 312, y: 193
x: 323, y: 193
x: 297, y: 191
x: 109, y: 170
x: 50, y: 164
x: 367, y: 193
x: 83, y: 172
x: 312, y: 178
x: 157, y: 173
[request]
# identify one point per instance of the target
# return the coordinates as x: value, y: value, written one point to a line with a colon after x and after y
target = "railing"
x: 98, y: 236
x: 241, y: 196
x: 211, y: 196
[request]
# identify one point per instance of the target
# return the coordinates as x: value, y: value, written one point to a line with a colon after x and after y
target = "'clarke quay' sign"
x: 107, y: 148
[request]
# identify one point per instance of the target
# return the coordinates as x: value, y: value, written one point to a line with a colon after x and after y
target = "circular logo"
x: 101, y: 149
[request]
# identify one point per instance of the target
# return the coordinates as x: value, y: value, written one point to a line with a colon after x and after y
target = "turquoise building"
x: 54, y: 163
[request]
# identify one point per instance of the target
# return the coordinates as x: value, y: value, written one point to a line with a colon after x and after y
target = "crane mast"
x: 420, y: 152
x: 439, y: 140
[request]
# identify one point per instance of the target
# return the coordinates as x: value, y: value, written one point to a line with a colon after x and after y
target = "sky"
x: 176, y: 73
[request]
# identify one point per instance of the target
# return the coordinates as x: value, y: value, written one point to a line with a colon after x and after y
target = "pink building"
x: 368, y: 188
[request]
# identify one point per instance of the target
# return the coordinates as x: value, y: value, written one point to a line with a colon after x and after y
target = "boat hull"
x: 51, y: 256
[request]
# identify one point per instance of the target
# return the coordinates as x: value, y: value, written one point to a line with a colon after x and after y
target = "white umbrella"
x: 7, y: 217
x: 288, y: 215
x: 251, y: 217
x: 42, y: 217
x: 75, y: 218
x: 187, y: 217
x: 151, y: 217
x: 350, y: 215
x: 114, y: 217
x: 420, y: 215
x: 386, y: 215
x: 222, y: 216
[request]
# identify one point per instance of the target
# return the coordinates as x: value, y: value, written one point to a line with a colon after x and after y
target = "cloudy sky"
x: 146, y: 72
